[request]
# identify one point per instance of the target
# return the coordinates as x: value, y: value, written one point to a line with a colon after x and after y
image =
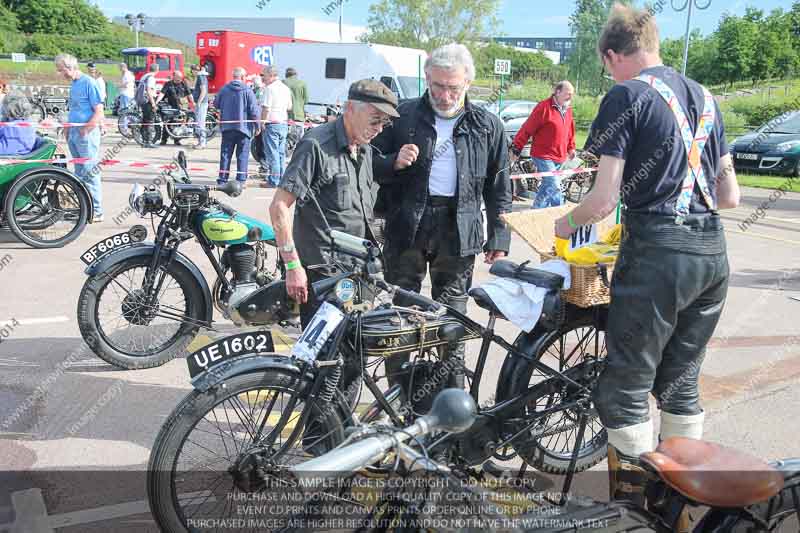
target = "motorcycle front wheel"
x: 131, y: 329
x: 234, y: 443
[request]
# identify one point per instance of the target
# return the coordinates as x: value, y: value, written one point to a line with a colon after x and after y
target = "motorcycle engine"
x: 246, y: 266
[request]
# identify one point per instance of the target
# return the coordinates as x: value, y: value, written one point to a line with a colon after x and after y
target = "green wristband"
x: 291, y: 265
x: 571, y: 222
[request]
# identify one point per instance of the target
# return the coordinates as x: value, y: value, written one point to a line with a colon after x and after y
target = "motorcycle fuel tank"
x: 223, y: 229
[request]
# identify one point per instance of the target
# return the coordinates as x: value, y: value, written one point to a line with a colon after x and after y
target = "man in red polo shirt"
x: 553, y: 131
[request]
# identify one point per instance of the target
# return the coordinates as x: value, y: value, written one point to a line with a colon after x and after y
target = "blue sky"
x: 524, y: 18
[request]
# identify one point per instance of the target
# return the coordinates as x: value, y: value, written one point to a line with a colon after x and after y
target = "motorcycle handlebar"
x: 406, y: 298
x: 228, y: 210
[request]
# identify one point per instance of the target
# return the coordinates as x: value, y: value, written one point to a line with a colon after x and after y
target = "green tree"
x: 737, y: 41
x: 428, y: 24
x: 586, y: 24
x: 523, y: 64
x: 65, y: 17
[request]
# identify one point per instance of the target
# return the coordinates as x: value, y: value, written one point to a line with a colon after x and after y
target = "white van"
x: 329, y: 68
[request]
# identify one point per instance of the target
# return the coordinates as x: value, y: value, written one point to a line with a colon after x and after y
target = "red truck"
x: 139, y: 60
x: 223, y: 50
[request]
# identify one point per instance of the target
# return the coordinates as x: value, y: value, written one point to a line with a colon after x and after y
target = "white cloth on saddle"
x: 520, y: 302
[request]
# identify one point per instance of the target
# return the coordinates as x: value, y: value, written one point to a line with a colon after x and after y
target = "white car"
x: 517, y: 110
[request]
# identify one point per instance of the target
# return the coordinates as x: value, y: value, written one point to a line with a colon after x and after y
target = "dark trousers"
x: 668, y: 290
x: 148, y: 118
x: 234, y: 140
x: 436, y: 248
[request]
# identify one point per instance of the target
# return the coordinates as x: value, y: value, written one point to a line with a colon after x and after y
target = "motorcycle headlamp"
x: 145, y: 201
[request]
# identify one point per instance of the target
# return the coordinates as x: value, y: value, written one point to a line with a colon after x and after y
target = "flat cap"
x: 375, y: 93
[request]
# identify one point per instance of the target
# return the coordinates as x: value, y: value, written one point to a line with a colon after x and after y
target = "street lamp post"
x: 688, y: 4
x: 136, y: 23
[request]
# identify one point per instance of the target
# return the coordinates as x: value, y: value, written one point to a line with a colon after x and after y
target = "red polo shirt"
x: 553, y: 134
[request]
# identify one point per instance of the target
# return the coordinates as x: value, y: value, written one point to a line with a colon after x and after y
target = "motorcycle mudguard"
x: 244, y: 364
x: 146, y: 249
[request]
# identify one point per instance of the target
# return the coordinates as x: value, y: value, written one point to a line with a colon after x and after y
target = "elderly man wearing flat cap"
x: 332, y: 162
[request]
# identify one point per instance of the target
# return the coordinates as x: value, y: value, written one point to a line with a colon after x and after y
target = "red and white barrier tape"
x: 52, y: 124
x: 553, y: 173
x: 143, y: 164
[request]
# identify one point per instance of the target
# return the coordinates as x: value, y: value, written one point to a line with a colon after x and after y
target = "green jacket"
x: 299, y: 98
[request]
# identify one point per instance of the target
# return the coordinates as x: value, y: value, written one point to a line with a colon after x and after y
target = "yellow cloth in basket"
x: 603, y: 251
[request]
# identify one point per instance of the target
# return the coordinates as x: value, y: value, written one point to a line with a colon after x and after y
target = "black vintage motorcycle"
x: 143, y: 302
x: 254, y: 413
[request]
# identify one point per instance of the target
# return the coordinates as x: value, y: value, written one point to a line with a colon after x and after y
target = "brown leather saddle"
x: 712, y: 474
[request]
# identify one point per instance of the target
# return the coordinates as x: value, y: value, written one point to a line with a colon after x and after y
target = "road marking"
x: 46, y: 320
x: 31, y: 512
x: 750, y: 233
x: 15, y: 362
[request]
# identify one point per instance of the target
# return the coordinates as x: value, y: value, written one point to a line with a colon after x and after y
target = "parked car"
x: 772, y: 148
x: 517, y: 109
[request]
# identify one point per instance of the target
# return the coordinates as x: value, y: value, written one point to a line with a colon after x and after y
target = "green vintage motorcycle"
x: 144, y: 302
x: 43, y: 204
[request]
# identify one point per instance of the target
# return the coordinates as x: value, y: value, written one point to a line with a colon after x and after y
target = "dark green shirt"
x: 299, y: 98
x: 343, y: 187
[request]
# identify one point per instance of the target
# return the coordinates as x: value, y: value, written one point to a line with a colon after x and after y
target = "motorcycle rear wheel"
x: 138, y: 317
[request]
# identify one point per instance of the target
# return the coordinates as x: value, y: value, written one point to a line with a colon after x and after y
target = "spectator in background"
x: 86, y: 107
x: 174, y: 91
x: 16, y: 140
x: 275, y: 106
x: 299, y: 100
x: 3, y: 93
x: 146, y: 99
x: 239, y: 115
x: 258, y: 86
x: 98, y: 78
x: 200, y: 95
x: 553, y: 130
x: 126, y: 88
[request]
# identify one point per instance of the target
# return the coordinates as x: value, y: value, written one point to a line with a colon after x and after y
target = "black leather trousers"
x: 667, y: 293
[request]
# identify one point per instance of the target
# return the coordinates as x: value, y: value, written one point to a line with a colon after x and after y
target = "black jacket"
x: 482, y: 160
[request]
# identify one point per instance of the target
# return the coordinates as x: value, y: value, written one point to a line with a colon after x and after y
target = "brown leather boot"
x: 627, y: 478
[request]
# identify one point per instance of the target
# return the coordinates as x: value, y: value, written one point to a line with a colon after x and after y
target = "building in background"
x: 185, y: 29
x: 566, y: 46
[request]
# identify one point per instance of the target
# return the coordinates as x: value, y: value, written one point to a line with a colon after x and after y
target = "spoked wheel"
x: 46, y: 209
x: 579, y: 351
x: 137, y: 130
x: 212, y: 125
x: 234, y: 444
x: 128, y: 327
x: 181, y: 127
x: 37, y: 113
x: 576, y: 187
x: 124, y: 120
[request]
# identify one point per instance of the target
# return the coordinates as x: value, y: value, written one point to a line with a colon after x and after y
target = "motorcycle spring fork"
x: 331, y: 382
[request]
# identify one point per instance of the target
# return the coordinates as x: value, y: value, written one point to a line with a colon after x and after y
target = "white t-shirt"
x: 444, y: 173
x: 128, y: 84
x: 101, y: 87
x: 277, y: 99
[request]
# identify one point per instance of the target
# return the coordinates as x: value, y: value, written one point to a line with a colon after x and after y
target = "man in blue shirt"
x: 239, y: 115
x: 85, y: 107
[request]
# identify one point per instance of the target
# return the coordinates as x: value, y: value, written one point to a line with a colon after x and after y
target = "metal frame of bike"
x: 329, y: 363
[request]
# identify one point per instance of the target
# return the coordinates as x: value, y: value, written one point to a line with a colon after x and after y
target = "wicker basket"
x: 590, y: 283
